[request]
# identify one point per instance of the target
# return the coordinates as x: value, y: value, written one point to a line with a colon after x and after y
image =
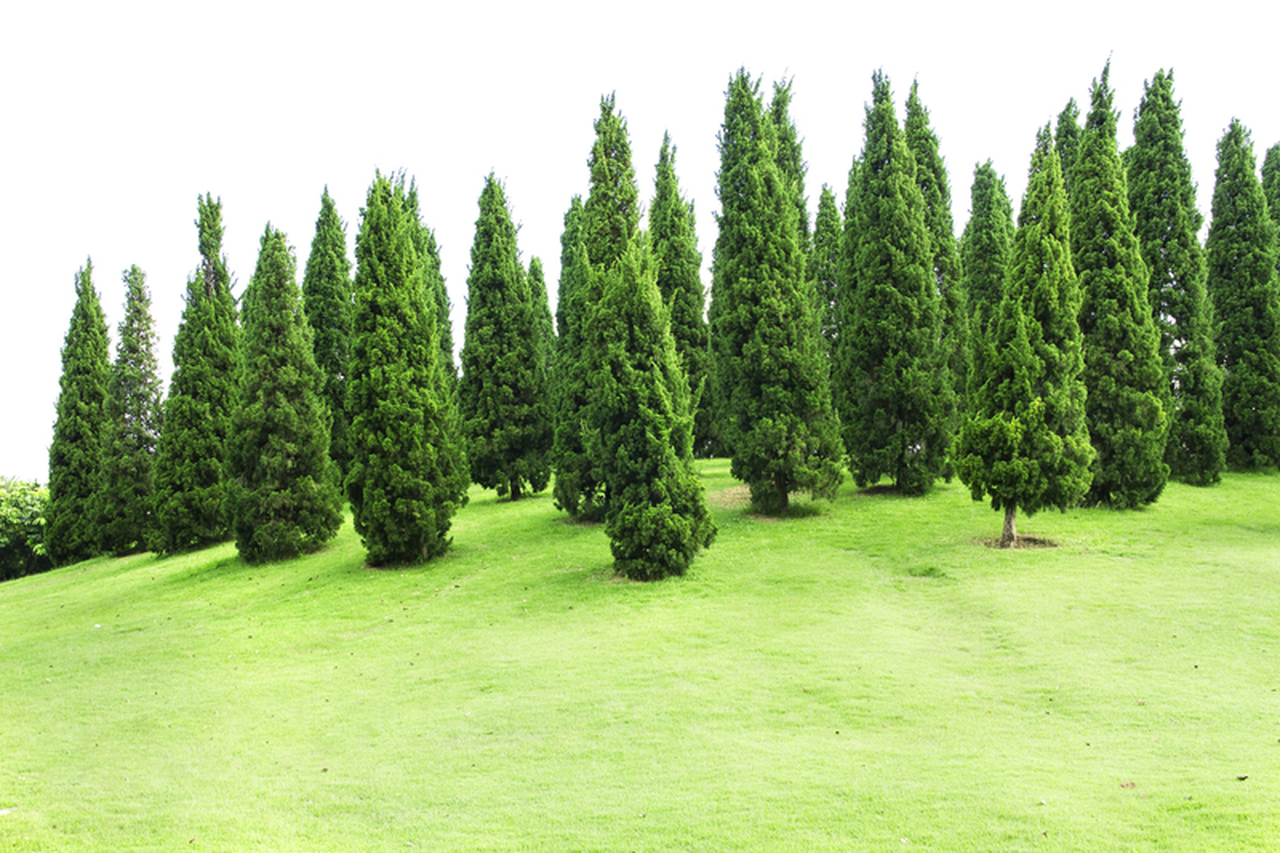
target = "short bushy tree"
x: 641, y: 426
x: 22, y: 526
x: 75, y: 454
x: 408, y: 472
x: 503, y: 394
x: 127, y: 497
x: 282, y: 490
x: 1245, y: 289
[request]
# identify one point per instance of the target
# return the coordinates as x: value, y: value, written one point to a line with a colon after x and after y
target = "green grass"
x: 866, y: 676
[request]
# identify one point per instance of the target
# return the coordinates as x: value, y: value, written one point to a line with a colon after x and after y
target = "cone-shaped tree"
x: 641, y: 426
x: 1271, y: 189
x: 671, y: 228
x: 1122, y: 367
x: 1243, y: 284
x: 433, y: 283
x: 611, y: 213
x: 823, y: 266
x: 935, y: 188
x: 133, y: 427
x: 326, y: 294
x: 1166, y: 222
x: 1067, y: 140
x: 895, y: 389
x: 1025, y: 442
x: 542, y: 313
x: 189, y: 479
x: 773, y: 398
x: 79, y: 433
x: 408, y: 471
x: 503, y: 393
x: 790, y: 157
x: 986, y: 247
x: 282, y: 489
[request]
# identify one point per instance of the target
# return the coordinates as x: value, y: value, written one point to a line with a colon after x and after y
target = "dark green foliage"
x: 790, y: 157
x: 127, y: 498
x: 189, y: 482
x: 773, y: 402
x: 22, y: 526
x: 935, y: 188
x: 611, y: 214
x: 1166, y: 223
x: 1122, y: 367
x: 1245, y: 289
x: 408, y: 472
x: 824, y: 265
x: 1067, y: 140
x: 326, y: 295
x: 542, y: 313
x: 1025, y: 442
x: 679, y: 268
x: 894, y: 388
x: 282, y: 492
x: 579, y: 487
x: 75, y: 455
x: 428, y: 251
x: 1271, y: 188
x: 641, y: 425
x: 986, y: 248
x: 503, y: 394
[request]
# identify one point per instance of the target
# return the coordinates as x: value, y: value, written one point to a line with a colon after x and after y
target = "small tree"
x: 641, y: 426
x: 545, y: 322
x: 22, y: 526
x: 326, y: 294
x: 503, y: 394
x: 1067, y: 139
x: 282, y: 493
x: 433, y: 283
x: 75, y: 455
x: 823, y: 267
x: 1245, y: 289
x: 127, y: 499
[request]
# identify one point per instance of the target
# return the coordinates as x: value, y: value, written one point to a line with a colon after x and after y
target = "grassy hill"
x: 861, y: 675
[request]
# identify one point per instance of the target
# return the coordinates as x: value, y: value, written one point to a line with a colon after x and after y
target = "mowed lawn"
x: 864, y: 674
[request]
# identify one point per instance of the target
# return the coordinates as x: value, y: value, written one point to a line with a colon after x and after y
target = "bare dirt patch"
x: 734, y: 497
x: 1020, y: 543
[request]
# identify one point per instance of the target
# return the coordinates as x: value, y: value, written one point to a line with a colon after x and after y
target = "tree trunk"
x: 1010, y: 533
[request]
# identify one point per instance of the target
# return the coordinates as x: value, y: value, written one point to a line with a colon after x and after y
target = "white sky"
x: 115, y: 116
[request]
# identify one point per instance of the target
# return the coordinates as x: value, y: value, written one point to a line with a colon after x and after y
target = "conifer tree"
x: 1122, y: 368
x: 773, y: 399
x: 189, y: 479
x: 408, y: 471
x: 1067, y: 140
x: 895, y: 389
x: 986, y: 248
x: 823, y: 267
x: 611, y: 213
x: 1025, y: 441
x: 1271, y: 189
x: 641, y: 425
x: 1166, y: 223
x: 679, y: 270
x: 127, y: 495
x: 282, y: 491
x: 76, y: 452
x: 790, y: 157
x: 545, y: 322
x: 1243, y: 284
x: 326, y: 294
x: 503, y: 391
x: 935, y: 188
x: 428, y: 252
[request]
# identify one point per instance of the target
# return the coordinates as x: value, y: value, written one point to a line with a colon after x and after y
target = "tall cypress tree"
x: 1025, y: 442
x: 326, y: 294
x: 408, y: 471
x: 986, y: 247
x: 189, y: 479
x: 1122, y: 368
x: 503, y: 391
x: 1067, y: 140
x: 1245, y: 289
x: 76, y: 452
x: 895, y: 387
x: 611, y: 213
x: 935, y: 188
x: 428, y: 252
x: 679, y: 269
x: 1271, y: 188
x: 790, y: 157
x: 545, y: 322
x: 127, y: 494
x: 282, y: 492
x: 773, y: 399
x: 824, y: 265
x: 1166, y: 223
x: 641, y: 425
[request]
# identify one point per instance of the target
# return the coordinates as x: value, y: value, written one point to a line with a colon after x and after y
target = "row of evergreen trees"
x: 1074, y: 358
